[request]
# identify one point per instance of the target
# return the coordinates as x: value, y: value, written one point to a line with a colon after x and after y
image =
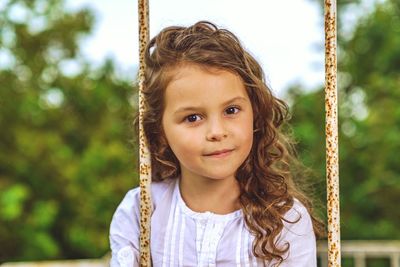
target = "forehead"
x: 194, y: 84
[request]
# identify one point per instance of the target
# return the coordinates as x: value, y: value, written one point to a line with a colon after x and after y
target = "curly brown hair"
x: 266, y: 176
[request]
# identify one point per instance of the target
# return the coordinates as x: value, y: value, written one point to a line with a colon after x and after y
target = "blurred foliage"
x: 66, y: 157
x: 369, y: 126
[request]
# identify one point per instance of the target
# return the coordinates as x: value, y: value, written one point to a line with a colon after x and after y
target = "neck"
x: 204, y: 194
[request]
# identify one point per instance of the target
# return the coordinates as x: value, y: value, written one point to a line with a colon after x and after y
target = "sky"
x: 285, y: 36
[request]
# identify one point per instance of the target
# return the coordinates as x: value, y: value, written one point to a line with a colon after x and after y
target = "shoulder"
x: 297, y: 212
x: 125, y: 224
x: 298, y: 228
x: 125, y: 221
x: 298, y: 233
x: 157, y: 190
x: 131, y: 202
x: 298, y: 219
x: 160, y: 189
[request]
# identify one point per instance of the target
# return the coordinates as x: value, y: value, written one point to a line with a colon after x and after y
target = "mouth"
x: 219, y: 153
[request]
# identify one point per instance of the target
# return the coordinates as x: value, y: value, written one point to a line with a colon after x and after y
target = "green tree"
x: 66, y: 158
x: 369, y: 123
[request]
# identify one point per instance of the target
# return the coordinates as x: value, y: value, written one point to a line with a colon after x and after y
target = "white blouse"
x: 182, y: 237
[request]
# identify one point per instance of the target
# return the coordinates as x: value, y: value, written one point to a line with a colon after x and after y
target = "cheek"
x: 183, y: 143
x: 248, y: 138
x: 247, y: 129
x: 186, y: 149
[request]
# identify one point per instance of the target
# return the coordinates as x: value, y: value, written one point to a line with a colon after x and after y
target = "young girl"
x: 222, y: 190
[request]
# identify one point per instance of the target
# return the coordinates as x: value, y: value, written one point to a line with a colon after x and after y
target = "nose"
x: 216, y: 130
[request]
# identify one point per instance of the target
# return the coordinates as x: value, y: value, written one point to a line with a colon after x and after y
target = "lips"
x: 219, y: 152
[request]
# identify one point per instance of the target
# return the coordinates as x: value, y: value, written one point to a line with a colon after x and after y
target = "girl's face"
x: 208, y: 122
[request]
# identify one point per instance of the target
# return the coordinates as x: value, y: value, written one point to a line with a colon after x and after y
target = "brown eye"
x: 232, y: 110
x: 192, y: 118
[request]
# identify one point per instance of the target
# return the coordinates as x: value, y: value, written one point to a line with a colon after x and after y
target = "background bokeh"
x: 67, y: 154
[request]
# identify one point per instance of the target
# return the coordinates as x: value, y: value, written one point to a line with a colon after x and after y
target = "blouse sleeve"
x: 124, y: 232
x: 301, y: 238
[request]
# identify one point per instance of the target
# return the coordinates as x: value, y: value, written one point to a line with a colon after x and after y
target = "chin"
x: 221, y: 176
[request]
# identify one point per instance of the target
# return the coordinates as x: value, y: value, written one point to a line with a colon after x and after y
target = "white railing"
x: 361, y: 250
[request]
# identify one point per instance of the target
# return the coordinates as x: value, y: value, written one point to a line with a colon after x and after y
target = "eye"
x: 192, y: 118
x: 232, y: 110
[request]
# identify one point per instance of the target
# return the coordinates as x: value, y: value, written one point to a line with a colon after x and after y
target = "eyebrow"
x: 192, y: 108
